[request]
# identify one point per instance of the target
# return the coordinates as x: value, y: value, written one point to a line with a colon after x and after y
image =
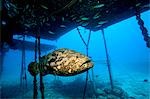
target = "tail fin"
x: 33, y: 68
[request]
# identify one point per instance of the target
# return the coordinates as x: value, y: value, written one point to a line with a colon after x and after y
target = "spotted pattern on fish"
x: 65, y: 62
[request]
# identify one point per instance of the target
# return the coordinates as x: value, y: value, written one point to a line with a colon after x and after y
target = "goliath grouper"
x: 61, y: 62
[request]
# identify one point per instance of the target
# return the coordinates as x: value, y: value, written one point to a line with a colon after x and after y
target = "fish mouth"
x: 88, y: 61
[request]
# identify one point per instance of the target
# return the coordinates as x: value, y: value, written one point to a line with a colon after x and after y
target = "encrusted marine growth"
x: 62, y: 62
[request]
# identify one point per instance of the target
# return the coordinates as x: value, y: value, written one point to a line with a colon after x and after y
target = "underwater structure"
x: 50, y: 19
x: 54, y: 18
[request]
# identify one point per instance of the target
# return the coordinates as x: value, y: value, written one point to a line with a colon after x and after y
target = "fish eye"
x: 83, y: 65
x: 52, y: 60
x: 53, y: 54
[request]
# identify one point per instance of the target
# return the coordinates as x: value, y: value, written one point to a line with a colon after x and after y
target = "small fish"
x: 63, y: 19
x: 43, y: 6
x: 53, y: 18
x: 81, y: 22
x: 80, y: 1
x: 85, y: 23
x: 50, y: 32
x: 138, y: 4
x: 78, y: 20
x: 15, y: 10
x: 81, y: 16
x: 84, y: 18
x: 27, y: 6
x: 40, y: 22
x: 47, y: 19
x: 44, y: 20
x: 14, y: 6
x: 48, y: 24
x: 102, y: 22
x: 74, y: 18
x: 96, y: 16
x: 146, y: 6
x: 71, y: 3
x: 98, y: 26
x: 63, y: 26
x: 3, y: 22
x: 98, y: 6
x: 27, y: 25
x: 8, y: 5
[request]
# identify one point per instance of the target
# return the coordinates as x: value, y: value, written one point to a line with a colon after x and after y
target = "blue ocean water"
x: 128, y: 54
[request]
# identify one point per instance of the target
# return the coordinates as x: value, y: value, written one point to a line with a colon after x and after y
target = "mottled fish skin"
x: 66, y: 62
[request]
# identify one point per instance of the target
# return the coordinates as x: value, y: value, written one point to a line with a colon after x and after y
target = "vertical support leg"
x: 108, y: 62
x: 35, y: 92
x: 35, y: 88
x: 87, y: 73
x: 23, y: 77
x: 2, y: 54
x: 41, y: 68
x: 85, y: 87
x: 41, y: 86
